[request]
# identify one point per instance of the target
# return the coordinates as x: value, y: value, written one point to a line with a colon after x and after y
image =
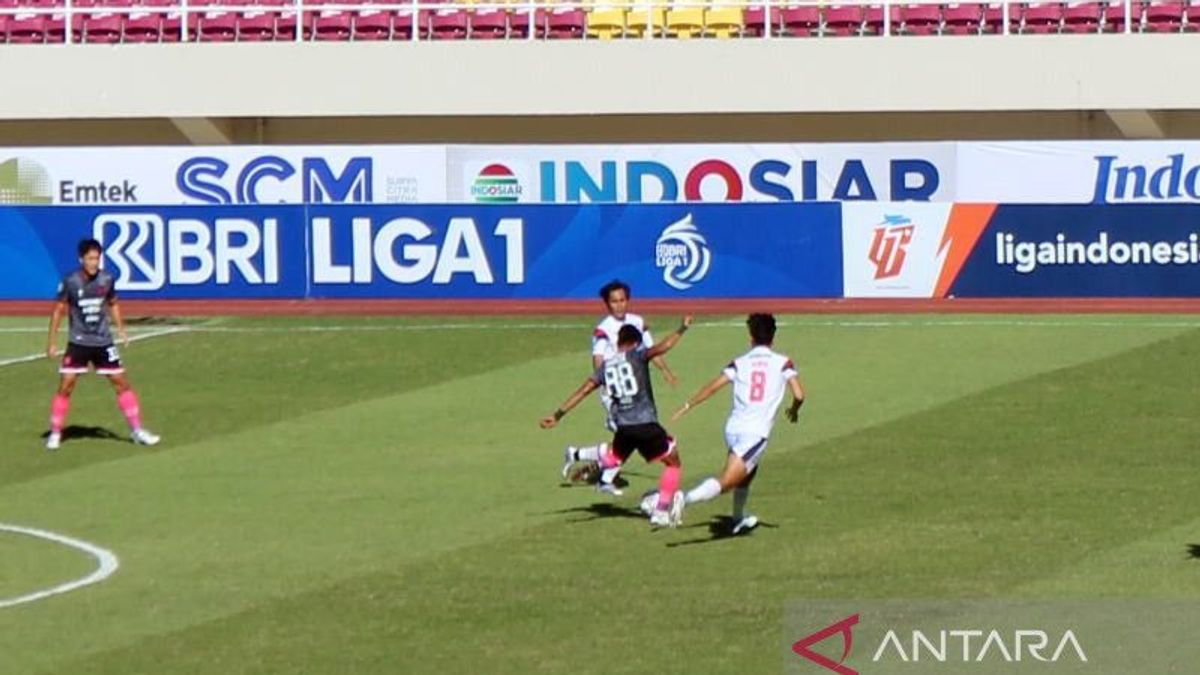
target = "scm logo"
x: 205, y: 179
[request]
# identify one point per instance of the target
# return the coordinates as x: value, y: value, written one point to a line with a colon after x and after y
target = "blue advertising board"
x: 443, y: 251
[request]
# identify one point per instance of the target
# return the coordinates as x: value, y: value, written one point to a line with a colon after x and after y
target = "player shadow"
x: 719, y: 529
x: 1193, y: 551
x: 600, y: 510
x: 78, y: 432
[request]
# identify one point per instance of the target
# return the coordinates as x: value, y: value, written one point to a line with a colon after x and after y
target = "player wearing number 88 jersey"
x: 626, y: 377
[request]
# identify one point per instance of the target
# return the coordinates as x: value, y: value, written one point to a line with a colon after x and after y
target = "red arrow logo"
x: 802, y: 647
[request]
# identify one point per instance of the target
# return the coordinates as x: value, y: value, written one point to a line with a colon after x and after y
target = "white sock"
x: 709, y: 488
x: 609, y: 475
x: 591, y: 453
x: 740, y: 496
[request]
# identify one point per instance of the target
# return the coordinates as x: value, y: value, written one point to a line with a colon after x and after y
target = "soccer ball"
x: 649, y: 502
x: 587, y: 472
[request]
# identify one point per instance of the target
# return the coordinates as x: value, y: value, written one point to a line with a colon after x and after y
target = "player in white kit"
x: 760, y: 378
x: 615, y: 295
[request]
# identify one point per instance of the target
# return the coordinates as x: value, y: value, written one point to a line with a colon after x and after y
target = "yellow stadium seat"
x: 685, y: 20
x: 606, y: 19
x: 647, y: 15
x: 724, y: 21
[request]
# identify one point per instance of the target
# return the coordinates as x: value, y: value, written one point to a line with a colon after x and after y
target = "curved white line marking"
x: 107, y: 564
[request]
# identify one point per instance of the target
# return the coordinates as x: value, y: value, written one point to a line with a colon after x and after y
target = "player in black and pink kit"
x: 625, y: 375
x: 88, y: 298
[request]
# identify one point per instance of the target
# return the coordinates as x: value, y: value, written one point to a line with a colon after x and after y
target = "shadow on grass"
x: 78, y: 432
x: 1194, y: 551
x: 719, y: 528
x: 600, y: 510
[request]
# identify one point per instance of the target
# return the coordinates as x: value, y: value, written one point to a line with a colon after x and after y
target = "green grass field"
x: 374, y: 495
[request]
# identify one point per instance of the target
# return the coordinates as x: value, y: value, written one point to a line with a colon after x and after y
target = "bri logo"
x: 890, y: 246
x: 682, y: 254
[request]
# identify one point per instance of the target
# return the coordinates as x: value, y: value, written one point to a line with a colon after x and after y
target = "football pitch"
x: 374, y: 495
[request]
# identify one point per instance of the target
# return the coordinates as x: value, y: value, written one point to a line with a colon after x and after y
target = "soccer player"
x: 615, y: 295
x: 760, y: 378
x: 88, y: 298
x: 626, y: 377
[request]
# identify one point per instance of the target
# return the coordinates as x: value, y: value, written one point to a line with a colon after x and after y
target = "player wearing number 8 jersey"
x: 760, y: 379
x: 626, y: 377
x: 88, y: 298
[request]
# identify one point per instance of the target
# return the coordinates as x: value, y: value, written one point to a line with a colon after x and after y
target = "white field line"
x: 818, y: 323
x: 107, y: 564
x: 41, y: 355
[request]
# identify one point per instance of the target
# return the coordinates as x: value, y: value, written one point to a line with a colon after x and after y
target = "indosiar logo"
x: 682, y: 254
x: 496, y: 184
x: 146, y: 253
x: 24, y: 181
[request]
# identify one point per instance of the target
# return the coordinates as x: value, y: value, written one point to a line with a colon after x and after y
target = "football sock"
x: 668, y: 483
x: 128, y: 402
x: 591, y: 453
x: 58, y: 412
x: 709, y: 488
x: 740, y: 496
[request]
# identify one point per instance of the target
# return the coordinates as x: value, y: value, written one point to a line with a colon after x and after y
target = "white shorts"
x: 749, y: 447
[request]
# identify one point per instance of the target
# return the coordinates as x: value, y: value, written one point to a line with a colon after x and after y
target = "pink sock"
x: 128, y: 402
x: 668, y: 483
x: 609, y: 460
x: 58, y: 412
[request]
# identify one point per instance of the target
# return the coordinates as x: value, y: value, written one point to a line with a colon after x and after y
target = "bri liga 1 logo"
x: 682, y: 254
x: 496, y: 184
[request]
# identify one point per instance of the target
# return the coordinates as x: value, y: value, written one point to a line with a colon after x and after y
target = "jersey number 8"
x: 620, y: 381
x: 758, y: 386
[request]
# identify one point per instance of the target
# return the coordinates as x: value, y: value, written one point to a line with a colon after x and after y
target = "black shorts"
x: 106, y: 360
x: 651, y: 440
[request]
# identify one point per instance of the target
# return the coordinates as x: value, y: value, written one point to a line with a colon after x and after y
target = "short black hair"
x: 629, y: 335
x: 86, y: 246
x: 614, y: 285
x: 762, y: 328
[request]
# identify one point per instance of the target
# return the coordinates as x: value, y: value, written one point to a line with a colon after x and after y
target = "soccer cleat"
x: 143, y: 437
x: 649, y: 502
x: 677, y: 504
x: 609, y: 489
x: 745, y: 525
x: 53, y: 441
x: 568, y: 460
x: 660, y: 519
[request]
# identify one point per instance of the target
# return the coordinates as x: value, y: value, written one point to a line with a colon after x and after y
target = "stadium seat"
x: 102, y: 28
x: 489, y: 22
x: 27, y: 29
x: 685, y: 19
x: 1164, y: 17
x: 962, y: 19
x: 920, y: 20
x: 1041, y: 18
x: 285, y: 26
x: 256, y: 25
x: 800, y: 21
x: 873, y: 20
x: 518, y: 21
x: 1192, y: 16
x: 993, y: 19
x: 647, y: 16
x: 446, y: 24
x: 566, y: 23
x: 724, y: 21
x: 1082, y: 18
x: 843, y: 20
x: 143, y: 27
x: 1113, y: 17
x: 606, y: 19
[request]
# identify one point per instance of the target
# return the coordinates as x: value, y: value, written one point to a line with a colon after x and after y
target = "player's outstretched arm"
x: 701, y: 396
x: 56, y: 316
x: 581, y: 393
x: 671, y: 340
x: 793, y: 411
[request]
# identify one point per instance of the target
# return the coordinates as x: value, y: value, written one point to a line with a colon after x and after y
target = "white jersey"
x: 760, y: 380
x: 604, y: 338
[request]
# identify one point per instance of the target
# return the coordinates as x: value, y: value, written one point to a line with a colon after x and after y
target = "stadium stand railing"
x: 221, y: 21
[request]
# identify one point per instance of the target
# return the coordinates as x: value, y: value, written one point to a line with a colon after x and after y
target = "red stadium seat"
x: 1041, y: 18
x: 1192, y: 14
x: 920, y: 19
x: 103, y: 28
x: 1164, y: 17
x: 755, y: 20
x: 1113, y: 17
x: 27, y: 29
x: 798, y: 21
x: 256, y: 25
x: 372, y: 24
x: 449, y: 24
x: 873, y: 20
x: 143, y: 27
x: 843, y: 20
x: 333, y: 25
x: 993, y: 19
x: 518, y: 22
x: 489, y: 23
x: 566, y: 24
x: 962, y: 19
x: 1083, y: 18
